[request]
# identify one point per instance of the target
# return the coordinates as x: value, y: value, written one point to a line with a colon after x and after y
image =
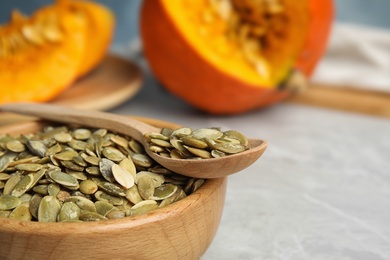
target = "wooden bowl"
x: 182, y: 230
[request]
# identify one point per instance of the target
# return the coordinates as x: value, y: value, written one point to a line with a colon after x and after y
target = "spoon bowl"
x: 204, y: 168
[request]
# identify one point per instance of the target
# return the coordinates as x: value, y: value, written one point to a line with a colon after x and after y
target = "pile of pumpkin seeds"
x: 202, y: 143
x: 70, y: 174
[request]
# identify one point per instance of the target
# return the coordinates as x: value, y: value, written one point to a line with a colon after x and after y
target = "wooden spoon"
x: 204, y: 168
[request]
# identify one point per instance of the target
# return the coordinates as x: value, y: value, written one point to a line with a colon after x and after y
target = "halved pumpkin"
x: 231, y: 56
x: 40, y: 55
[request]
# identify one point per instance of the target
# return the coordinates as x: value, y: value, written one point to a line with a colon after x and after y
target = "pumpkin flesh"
x: 100, y: 23
x: 40, y: 55
x: 241, y: 39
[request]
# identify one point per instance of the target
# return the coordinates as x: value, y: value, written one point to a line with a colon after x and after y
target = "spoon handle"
x: 96, y: 119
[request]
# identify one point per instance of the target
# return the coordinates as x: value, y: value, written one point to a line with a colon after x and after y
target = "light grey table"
x: 320, y: 191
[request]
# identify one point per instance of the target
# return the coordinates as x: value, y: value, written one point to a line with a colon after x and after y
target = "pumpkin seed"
x: 146, y: 187
x: 25, y: 198
x: 41, y: 189
x: 128, y: 164
x: 23, y: 185
x: 103, y: 207
x: 193, y: 142
x: 156, y: 149
x: 198, y: 152
x: 122, y: 176
x: 15, y: 146
x: 21, y: 212
x: 157, y: 179
x: 112, y: 189
x: 77, y: 145
x: 34, y: 205
x: 119, y: 140
x: 115, y: 214
x: 63, y: 179
x: 71, y: 165
x: 53, y: 149
x: 4, y: 213
x: 6, y: 159
x: 217, y: 154
x: 113, y: 154
x: 179, y: 194
x: 133, y: 195
x: 52, y: 33
x: 105, y: 167
x: 30, y: 167
x: 63, y: 195
x: 4, y: 176
x: 161, y: 143
x: 100, y: 132
x: 88, y: 187
x: 228, y: 148
x: 31, y: 34
x: 93, y: 160
x: 136, y: 147
x: 206, y: 133
x: 93, y: 170
x: 66, y: 155
x: 36, y: 147
x: 164, y: 191
x: 77, y: 174
x: 143, y: 207
x: 69, y: 211
x: 113, y: 200
x: 8, y: 202
x: 53, y: 189
x: 48, y: 209
x: 82, y: 134
x: 63, y: 137
x: 183, y: 131
x: 79, y: 161
x: 237, y: 135
x: 83, y: 203
x: 142, y: 160
x: 197, y: 184
x: 91, y: 216
x: 157, y: 136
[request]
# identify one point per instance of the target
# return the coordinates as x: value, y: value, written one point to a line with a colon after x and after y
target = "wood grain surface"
x: 345, y: 99
x: 113, y: 82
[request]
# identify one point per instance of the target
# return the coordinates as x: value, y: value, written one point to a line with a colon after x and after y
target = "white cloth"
x: 357, y: 57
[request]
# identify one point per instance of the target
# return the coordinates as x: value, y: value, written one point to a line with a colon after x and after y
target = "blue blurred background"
x: 371, y: 13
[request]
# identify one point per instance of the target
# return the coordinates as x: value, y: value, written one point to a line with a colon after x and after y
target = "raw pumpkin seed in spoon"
x: 214, y: 163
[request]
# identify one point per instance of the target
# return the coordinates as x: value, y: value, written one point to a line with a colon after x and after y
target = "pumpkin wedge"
x: 232, y: 56
x: 40, y: 55
x: 100, y: 23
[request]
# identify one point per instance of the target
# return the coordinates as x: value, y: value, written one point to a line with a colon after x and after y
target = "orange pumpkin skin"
x: 186, y: 74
